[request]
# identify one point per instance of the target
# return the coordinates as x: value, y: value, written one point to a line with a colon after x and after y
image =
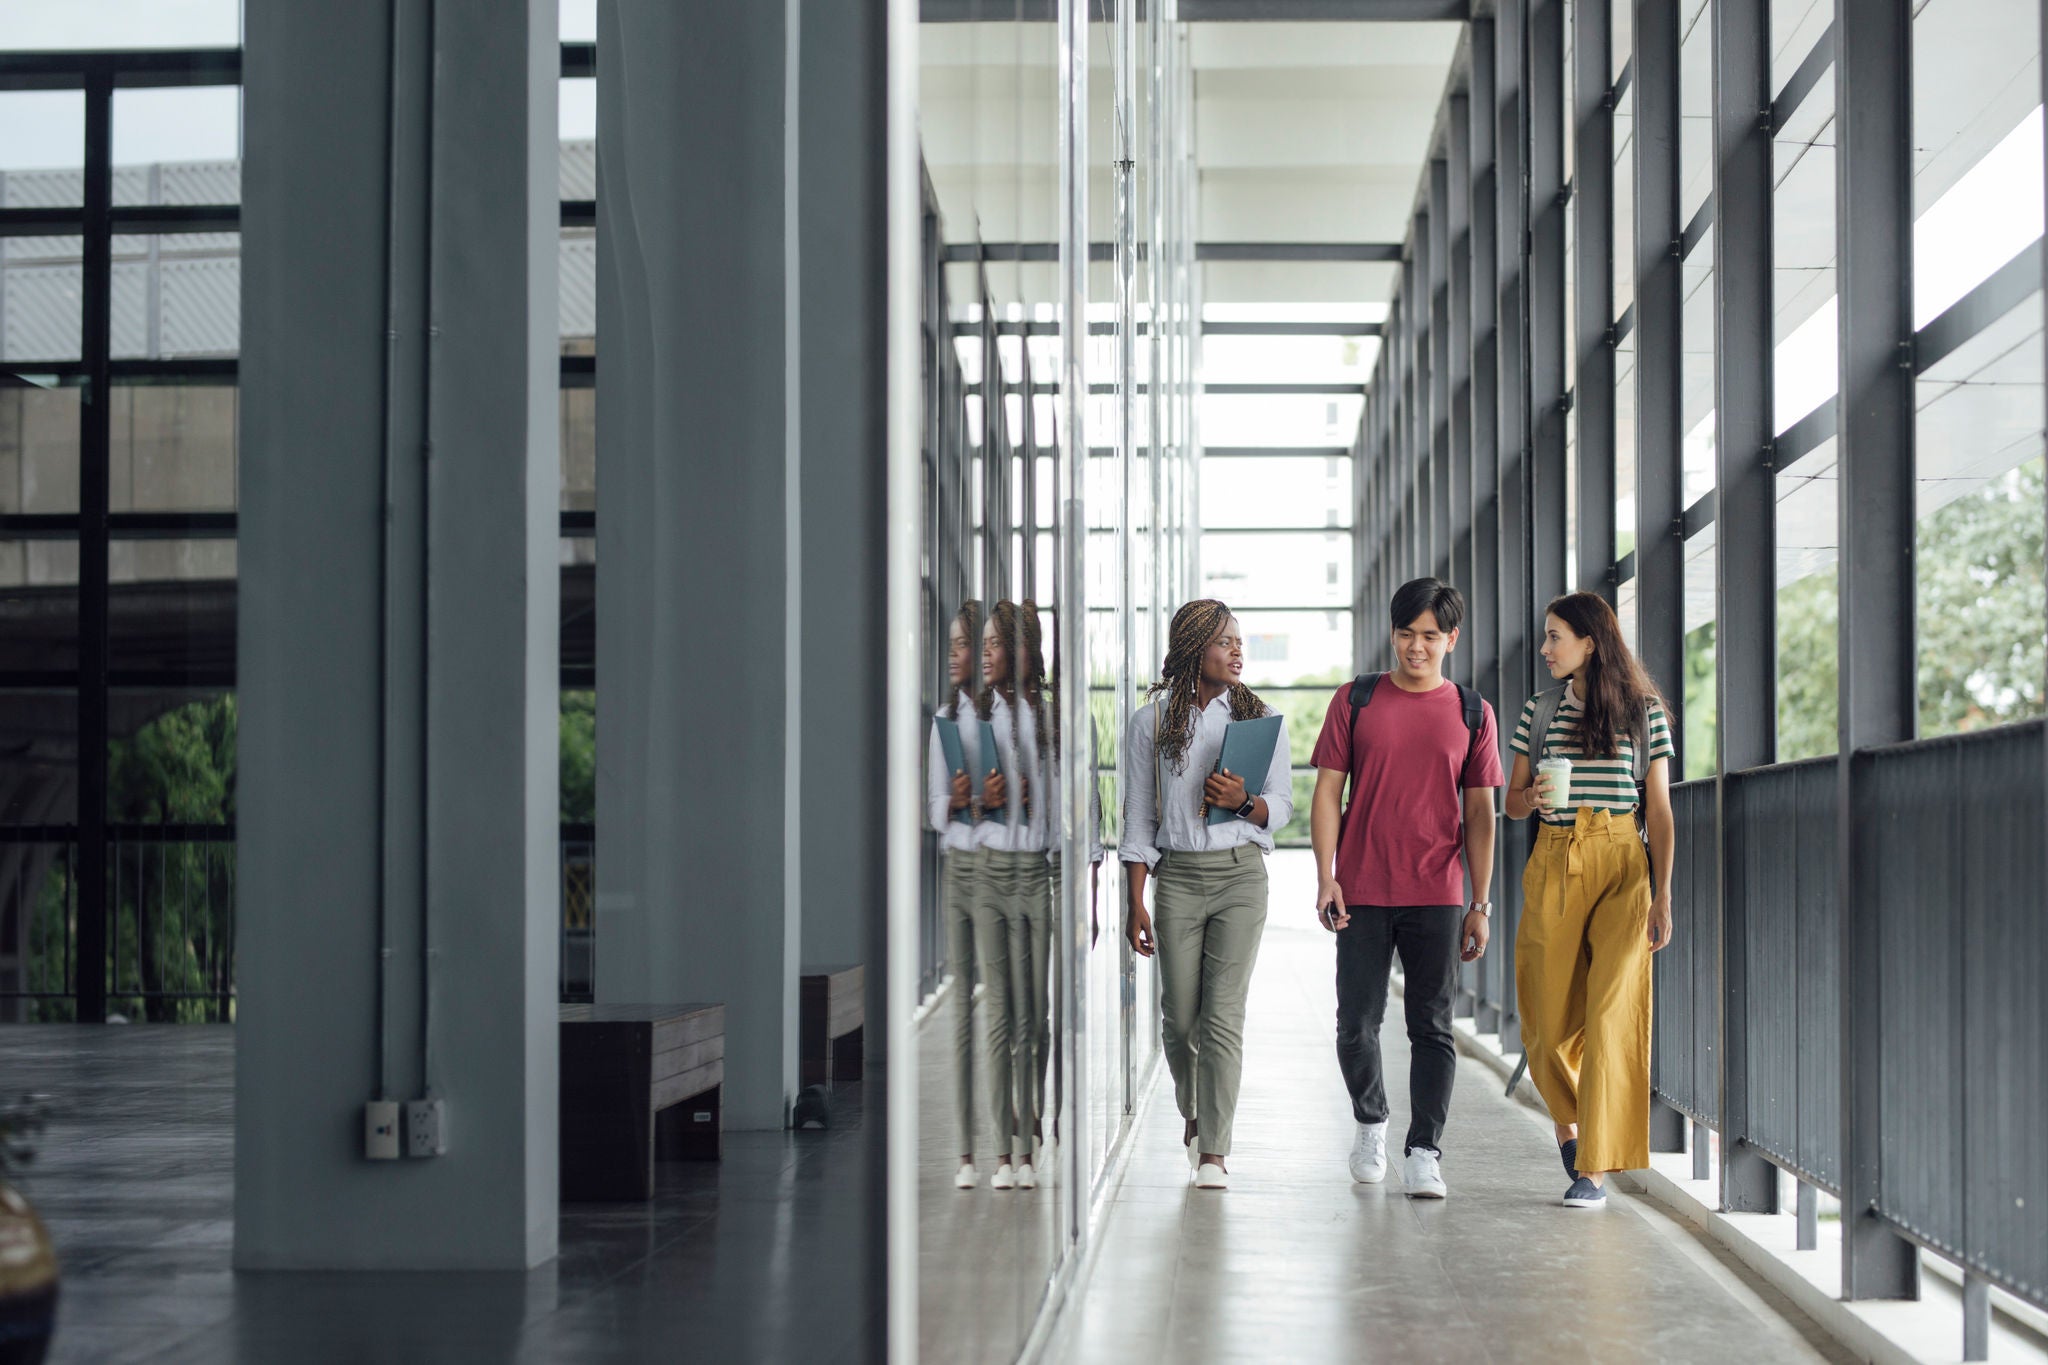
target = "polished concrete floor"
x: 985, y: 1256
x: 754, y: 1257
x: 1295, y: 1262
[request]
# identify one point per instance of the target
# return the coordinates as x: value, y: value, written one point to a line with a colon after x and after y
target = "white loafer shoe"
x: 1212, y: 1177
x: 1027, y: 1179
x: 1005, y: 1178
x: 967, y: 1178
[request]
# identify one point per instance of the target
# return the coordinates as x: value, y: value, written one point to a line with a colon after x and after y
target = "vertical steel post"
x: 1511, y: 203
x: 1458, y: 128
x: 1545, y: 103
x: 92, y: 963
x: 1438, y: 452
x: 1874, y: 283
x: 1484, y: 587
x: 1745, y: 555
x: 1660, y: 298
x: 1593, y: 291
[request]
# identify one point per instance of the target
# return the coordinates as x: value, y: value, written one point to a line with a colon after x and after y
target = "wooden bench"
x: 634, y: 1079
x: 830, y: 1019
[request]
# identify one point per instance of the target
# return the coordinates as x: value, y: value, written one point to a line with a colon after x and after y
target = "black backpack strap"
x: 1361, y: 696
x: 1474, y: 708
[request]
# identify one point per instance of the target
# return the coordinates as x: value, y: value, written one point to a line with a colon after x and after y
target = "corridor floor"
x: 1297, y: 1263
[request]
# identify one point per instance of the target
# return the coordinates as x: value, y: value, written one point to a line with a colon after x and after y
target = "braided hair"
x: 968, y: 619
x: 1195, y: 627
x: 1024, y: 642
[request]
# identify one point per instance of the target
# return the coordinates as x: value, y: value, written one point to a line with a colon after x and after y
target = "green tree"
x: 1981, y: 612
x: 579, y: 758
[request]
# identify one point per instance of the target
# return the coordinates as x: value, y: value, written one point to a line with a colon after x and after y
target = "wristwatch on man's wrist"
x: 1244, y: 812
x: 1483, y: 907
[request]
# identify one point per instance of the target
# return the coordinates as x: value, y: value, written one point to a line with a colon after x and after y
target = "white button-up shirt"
x: 1018, y: 830
x: 1174, y: 824
x: 955, y: 836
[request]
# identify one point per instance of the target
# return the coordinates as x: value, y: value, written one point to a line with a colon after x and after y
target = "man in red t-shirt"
x: 1422, y: 781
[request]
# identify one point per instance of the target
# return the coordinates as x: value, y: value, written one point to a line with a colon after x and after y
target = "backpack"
x: 1469, y: 702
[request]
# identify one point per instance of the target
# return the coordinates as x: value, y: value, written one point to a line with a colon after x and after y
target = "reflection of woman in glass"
x: 1013, y: 941
x: 1212, y: 878
x: 950, y: 797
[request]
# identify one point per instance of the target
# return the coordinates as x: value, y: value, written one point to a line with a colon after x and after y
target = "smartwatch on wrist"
x: 1244, y: 812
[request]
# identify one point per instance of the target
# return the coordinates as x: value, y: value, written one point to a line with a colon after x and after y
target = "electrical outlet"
x: 426, y: 1128
x: 380, y: 1130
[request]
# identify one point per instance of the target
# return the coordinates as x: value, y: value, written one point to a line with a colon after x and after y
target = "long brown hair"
x: 1617, y: 692
x: 1023, y: 640
x: 1195, y: 627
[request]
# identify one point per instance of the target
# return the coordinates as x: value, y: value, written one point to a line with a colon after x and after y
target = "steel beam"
x: 91, y: 963
x: 1874, y: 283
x: 1439, y: 562
x: 1547, y: 341
x: 1511, y: 341
x: 1660, y: 298
x: 1484, y: 586
x: 1593, y: 291
x: 1745, y: 559
x: 1458, y: 210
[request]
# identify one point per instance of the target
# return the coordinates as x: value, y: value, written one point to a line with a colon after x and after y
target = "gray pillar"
x: 1746, y: 560
x: 1874, y: 248
x: 699, y: 639
x: 844, y: 475
x: 398, y: 648
x: 1592, y: 103
x: 1545, y: 105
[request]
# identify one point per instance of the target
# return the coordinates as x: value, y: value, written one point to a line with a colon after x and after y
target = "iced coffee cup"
x: 1554, y: 780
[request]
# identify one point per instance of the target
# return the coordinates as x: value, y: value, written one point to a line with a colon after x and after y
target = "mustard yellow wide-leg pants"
x: 1582, y: 977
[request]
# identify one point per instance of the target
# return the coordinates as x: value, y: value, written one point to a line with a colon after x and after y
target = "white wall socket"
x: 380, y: 1130
x: 426, y: 1128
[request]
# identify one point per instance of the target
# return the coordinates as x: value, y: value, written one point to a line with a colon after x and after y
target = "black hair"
x: 1431, y: 595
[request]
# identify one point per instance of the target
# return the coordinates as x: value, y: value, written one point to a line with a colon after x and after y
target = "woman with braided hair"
x: 1013, y: 931
x: 953, y: 808
x: 1211, y: 900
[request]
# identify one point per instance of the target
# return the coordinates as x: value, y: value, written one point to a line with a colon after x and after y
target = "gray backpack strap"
x: 1547, y: 703
x: 1641, y: 736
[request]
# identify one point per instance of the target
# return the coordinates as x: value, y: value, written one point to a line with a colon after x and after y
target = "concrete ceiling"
x: 1304, y: 132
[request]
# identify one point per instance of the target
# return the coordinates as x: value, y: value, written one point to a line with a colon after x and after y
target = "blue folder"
x: 1248, y: 749
x: 956, y: 762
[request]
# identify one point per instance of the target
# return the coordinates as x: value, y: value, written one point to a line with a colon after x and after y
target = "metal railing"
x: 170, y: 930
x: 1948, y: 834
x: 577, y: 966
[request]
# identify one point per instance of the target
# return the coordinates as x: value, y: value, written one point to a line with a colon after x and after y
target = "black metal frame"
x: 96, y: 375
x: 1780, y: 1005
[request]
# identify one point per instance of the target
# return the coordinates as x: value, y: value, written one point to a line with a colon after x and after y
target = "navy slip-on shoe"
x: 1569, y: 1151
x: 1584, y: 1194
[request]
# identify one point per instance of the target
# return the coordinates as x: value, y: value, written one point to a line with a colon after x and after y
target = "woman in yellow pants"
x: 1595, y: 903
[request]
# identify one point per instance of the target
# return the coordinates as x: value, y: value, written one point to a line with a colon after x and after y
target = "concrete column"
x: 700, y: 634
x: 844, y: 479
x: 398, y: 623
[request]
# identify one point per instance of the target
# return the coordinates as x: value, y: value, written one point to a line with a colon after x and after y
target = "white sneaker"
x: 967, y: 1178
x: 1369, y: 1153
x: 1027, y: 1179
x: 1194, y: 1153
x: 1423, y: 1175
x: 1212, y: 1177
x: 1005, y: 1178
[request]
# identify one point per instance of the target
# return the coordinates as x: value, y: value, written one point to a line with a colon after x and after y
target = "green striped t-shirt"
x: 1602, y: 783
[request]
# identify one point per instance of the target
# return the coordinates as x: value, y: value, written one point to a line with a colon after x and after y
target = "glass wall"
x: 1057, y: 460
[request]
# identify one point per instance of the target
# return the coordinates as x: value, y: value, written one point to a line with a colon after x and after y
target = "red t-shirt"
x: 1402, y: 836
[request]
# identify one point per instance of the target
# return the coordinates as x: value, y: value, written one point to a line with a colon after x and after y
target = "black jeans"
x: 1426, y: 936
